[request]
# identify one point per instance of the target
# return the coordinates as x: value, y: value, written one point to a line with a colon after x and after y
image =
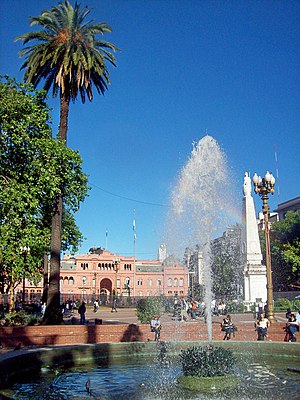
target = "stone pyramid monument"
x: 255, y: 275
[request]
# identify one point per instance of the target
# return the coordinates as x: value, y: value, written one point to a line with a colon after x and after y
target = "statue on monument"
x: 247, y: 185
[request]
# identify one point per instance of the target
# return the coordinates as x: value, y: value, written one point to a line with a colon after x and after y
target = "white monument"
x: 255, y: 276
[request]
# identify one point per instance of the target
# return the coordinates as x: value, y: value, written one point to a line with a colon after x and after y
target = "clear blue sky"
x: 228, y: 68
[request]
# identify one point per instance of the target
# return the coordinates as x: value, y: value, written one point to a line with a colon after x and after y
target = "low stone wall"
x: 114, y: 333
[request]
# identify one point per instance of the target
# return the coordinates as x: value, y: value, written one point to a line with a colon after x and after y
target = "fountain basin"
x: 266, y: 363
x: 208, y: 383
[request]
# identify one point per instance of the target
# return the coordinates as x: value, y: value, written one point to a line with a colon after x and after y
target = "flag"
x: 134, y: 228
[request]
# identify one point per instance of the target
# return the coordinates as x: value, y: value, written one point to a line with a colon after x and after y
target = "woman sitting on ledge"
x: 155, y: 326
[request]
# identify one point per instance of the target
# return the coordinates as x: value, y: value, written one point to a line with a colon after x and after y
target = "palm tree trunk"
x: 53, y: 313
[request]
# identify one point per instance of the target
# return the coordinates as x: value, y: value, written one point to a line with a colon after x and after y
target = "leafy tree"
x: 285, y: 251
x: 33, y: 168
x: 71, y: 60
x: 146, y: 308
x: 226, y: 264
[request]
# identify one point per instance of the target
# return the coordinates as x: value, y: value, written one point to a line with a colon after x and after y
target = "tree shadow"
x: 132, y: 334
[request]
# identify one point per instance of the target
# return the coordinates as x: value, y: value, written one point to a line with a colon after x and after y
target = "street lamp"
x: 192, y: 283
x: 116, y: 263
x: 264, y: 186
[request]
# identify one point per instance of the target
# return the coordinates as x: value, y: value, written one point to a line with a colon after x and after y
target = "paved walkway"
x: 128, y: 316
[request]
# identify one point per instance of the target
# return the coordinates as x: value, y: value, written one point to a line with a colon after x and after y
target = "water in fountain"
x: 199, y: 202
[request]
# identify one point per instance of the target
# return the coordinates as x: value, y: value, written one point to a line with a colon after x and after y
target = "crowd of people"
x: 191, y: 309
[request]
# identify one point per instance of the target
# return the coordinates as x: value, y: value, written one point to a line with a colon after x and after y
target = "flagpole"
x: 106, y: 235
x: 134, y: 254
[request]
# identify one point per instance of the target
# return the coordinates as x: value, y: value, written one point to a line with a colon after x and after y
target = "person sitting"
x: 262, y: 325
x: 227, y: 327
x: 291, y: 328
x: 288, y: 313
x: 156, y: 327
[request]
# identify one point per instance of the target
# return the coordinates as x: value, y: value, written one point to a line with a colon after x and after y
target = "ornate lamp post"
x: 116, y: 263
x: 264, y: 186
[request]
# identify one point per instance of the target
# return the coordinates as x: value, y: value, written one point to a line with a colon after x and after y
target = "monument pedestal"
x: 255, y: 273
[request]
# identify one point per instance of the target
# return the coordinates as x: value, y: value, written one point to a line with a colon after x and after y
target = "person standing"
x: 82, y: 311
x: 114, y: 304
x: 194, y: 309
x: 261, y: 326
x: 96, y: 306
x: 227, y: 327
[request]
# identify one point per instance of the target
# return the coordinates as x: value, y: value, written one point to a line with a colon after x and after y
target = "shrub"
x: 146, y: 308
x: 297, y: 304
x: 207, y: 361
x: 19, y: 318
x: 283, y: 303
x: 235, y: 307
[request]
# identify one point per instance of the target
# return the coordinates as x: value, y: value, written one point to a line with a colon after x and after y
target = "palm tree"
x: 68, y: 57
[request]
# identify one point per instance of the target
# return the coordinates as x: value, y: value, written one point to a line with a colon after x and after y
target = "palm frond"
x: 68, y: 56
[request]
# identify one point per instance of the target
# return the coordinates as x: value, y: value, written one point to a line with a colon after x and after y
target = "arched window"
x: 181, y: 282
x: 170, y: 282
x: 150, y: 282
x: 84, y: 280
x: 71, y: 281
x: 175, y: 282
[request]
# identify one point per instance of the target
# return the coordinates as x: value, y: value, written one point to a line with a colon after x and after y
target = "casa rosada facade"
x: 102, y: 273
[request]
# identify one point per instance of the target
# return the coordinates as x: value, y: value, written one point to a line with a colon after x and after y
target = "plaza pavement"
x: 128, y: 316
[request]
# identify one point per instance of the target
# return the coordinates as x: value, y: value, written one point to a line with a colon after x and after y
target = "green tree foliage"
x: 67, y: 55
x: 227, y: 272
x: 34, y: 167
x: 285, y: 251
x: 146, y: 308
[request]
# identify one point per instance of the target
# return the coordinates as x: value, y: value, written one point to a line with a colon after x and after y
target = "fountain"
x: 151, y: 371
x: 198, y: 207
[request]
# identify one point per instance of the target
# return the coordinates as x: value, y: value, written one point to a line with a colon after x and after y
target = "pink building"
x: 101, y: 272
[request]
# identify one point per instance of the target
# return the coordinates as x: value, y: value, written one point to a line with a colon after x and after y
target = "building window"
x: 84, y: 280
x: 170, y: 282
x: 139, y: 282
x: 170, y: 292
x: 150, y: 282
x: 84, y: 266
x: 181, y: 282
x: 158, y: 282
x: 118, y: 283
x: 71, y: 281
x: 175, y: 282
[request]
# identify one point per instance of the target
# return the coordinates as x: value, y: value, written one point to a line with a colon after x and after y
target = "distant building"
x: 100, y: 273
x: 290, y: 205
x: 280, y: 213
